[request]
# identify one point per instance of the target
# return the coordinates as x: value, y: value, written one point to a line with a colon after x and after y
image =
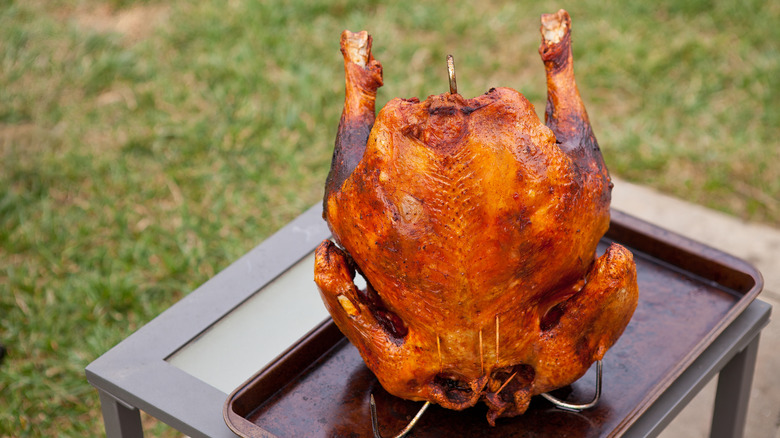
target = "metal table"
x: 181, y: 366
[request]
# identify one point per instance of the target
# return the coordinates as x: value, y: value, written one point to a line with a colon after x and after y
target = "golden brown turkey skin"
x: 475, y: 227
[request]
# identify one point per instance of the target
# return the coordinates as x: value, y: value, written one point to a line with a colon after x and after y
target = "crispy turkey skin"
x: 475, y: 227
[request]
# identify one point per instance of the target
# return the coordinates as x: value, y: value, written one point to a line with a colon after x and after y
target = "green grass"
x: 135, y: 163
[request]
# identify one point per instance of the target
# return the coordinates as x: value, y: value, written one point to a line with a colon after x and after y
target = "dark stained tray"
x: 688, y: 293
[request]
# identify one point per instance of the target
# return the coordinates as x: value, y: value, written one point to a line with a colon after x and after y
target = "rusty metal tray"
x: 688, y: 293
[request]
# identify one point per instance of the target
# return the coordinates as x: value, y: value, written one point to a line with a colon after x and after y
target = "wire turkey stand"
x: 555, y: 401
x: 574, y: 407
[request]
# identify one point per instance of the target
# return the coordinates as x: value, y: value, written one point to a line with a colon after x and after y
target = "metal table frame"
x: 134, y: 375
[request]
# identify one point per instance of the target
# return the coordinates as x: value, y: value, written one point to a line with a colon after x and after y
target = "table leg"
x: 120, y: 419
x: 733, y: 394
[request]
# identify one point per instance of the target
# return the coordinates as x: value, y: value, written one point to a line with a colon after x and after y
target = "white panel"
x: 256, y: 332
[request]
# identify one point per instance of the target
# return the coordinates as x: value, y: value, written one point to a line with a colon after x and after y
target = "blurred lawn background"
x: 146, y: 145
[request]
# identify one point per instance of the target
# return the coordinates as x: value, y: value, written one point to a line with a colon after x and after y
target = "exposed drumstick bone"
x: 357, y: 47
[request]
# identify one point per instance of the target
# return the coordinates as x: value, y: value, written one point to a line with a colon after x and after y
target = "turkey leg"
x: 363, y: 78
x: 573, y: 335
x: 398, y: 355
x: 565, y: 113
x: 582, y: 329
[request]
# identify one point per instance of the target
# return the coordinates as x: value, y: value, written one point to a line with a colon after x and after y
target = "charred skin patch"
x: 454, y: 388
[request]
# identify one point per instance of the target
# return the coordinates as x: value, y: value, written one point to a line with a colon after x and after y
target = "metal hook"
x: 579, y: 407
x: 375, y: 423
x: 451, y: 74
